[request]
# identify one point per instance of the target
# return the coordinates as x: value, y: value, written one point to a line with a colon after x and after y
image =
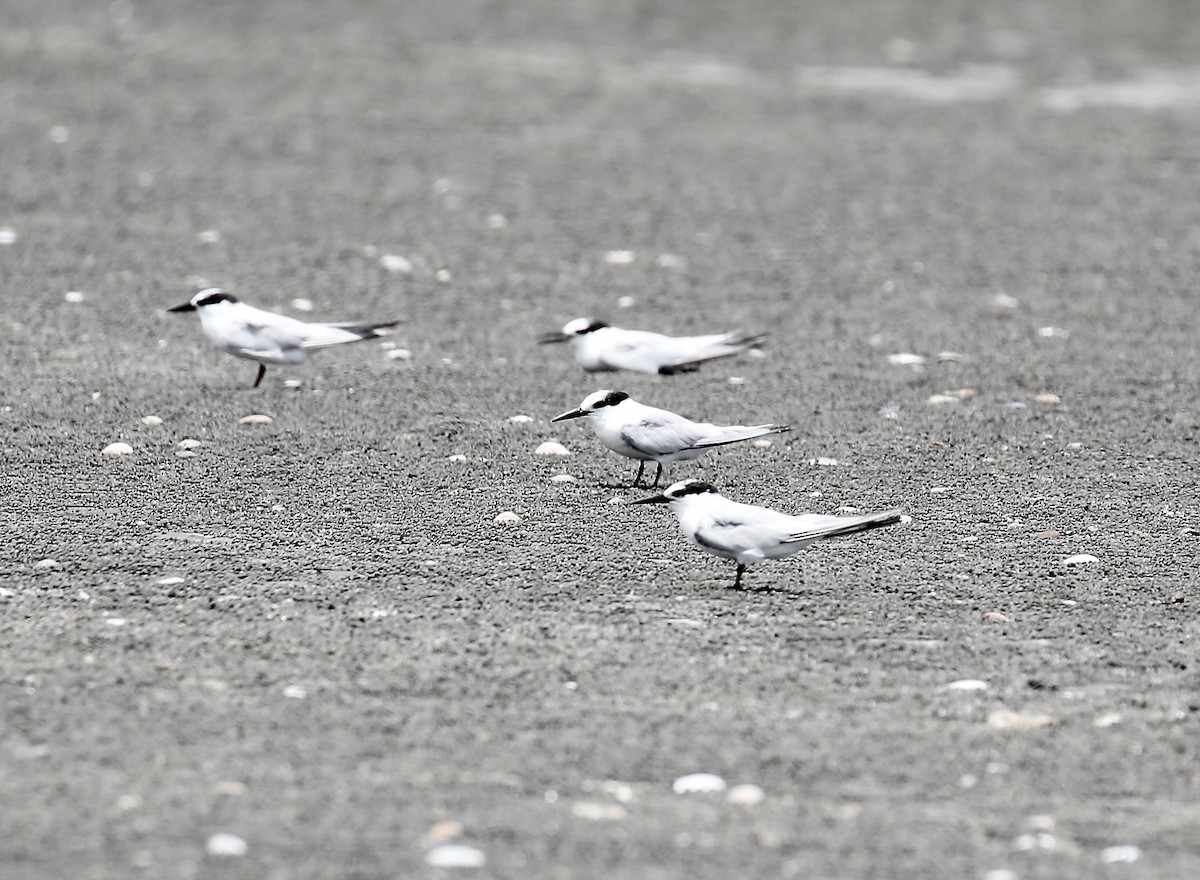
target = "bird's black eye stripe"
x: 595, y: 325
x: 612, y: 399
x: 697, y: 488
x: 216, y: 298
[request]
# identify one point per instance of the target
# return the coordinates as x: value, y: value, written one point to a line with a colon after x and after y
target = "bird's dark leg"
x: 262, y: 371
x: 637, y: 481
x: 737, y: 582
x: 657, y: 475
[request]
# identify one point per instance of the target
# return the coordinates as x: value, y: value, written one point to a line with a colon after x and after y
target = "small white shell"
x: 746, y: 795
x: 301, y: 304
x: 455, y: 855
x: 189, y: 443
x: 619, y: 258
x: 398, y: 354
x: 396, y: 263
x: 46, y: 563
x: 117, y: 449
x: 943, y: 399
x: 208, y: 236
x: 73, y: 296
x: 625, y: 302
x: 520, y: 419
x: 507, y: 517
x: 255, y: 419
x: 906, y: 359
x: 1116, y: 854
x: 1080, y: 559
x: 967, y: 684
x: 151, y: 421
x: 1005, y: 301
x: 1047, y: 397
x: 698, y: 783
x: 563, y: 478
x: 168, y: 581
x: 551, y: 447
x: 226, y: 845
x: 762, y: 444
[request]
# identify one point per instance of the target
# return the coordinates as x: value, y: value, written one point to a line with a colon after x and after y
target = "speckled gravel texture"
x: 314, y: 636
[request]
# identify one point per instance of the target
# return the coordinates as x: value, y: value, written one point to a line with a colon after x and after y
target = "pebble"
x: 1049, y: 534
x: 1110, y: 719
x: 208, y: 236
x: 508, y: 516
x: 301, y: 304
x: 1000, y: 874
x: 8, y: 235
x: 967, y: 684
x: 497, y: 221
x: 995, y: 617
x: 1080, y: 559
x: 46, y: 563
x: 939, y: 490
x: 824, y: 461
x: 598, y: 812
x: 169, y: 581
x: 943, y: 399
x: 291, y: 383
x: 762, y: 444
x: 619, y: 258
x: 670, y: 261
x: 223, y: 844
x: 255, y: 419
x: 442, y: 276
x: 116, y: 621
x: 1006, y: 719
x: 551, y: 447
x: 188, y: 443
x: 563, y: 478
x: 73, y: 296
x: 698, y: 783
x: 295, y: 692
x: 625, y: 302
x: 737, y: 380
x: 455, y: 855
x: 1005, y: 302
x: 950, y: 357
x: 889, y: 412
x: 117, y: 449
x: 905, y: 359
x: 396, y: 263
x: 184, y: 453
x: 60, y: 134
x: 458, y: 457
x: 746, y: 795
x: 1012, y: 406
x: 1120, y: 854
x: 1046, y: 397
x: 447, y: 829
x: 398, y: 354
x: 520, y: 419
x: 151, y: 421
x: 1050, y: 332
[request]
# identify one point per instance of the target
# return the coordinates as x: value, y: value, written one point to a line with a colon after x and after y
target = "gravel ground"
x: 313, y: 636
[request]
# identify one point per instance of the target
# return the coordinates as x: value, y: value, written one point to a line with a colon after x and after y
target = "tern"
x: 269, y: 338
x: 748, y: 534
x: 646, y: 433
x: 600, y: 348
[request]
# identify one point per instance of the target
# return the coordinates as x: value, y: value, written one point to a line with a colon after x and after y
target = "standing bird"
x: 599, y: 348
x: 749, y: 534
x: 646, y: 433
x: 267, y: 337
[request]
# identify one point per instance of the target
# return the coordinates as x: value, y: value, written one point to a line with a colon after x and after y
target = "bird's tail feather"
x: 743, y: 432
x: 848, y: 525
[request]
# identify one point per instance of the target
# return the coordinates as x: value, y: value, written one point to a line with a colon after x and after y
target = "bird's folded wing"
x: 652, y: 436
x: 324, y: 335
x: 720, y: 435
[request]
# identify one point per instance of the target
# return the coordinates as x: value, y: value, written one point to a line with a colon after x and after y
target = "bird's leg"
x: 737, y: 582
x: 657, y: 475
x: 637, y: 481
x: 262, y: 371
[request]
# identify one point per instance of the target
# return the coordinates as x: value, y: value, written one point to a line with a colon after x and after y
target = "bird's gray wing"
x: 654, y: 436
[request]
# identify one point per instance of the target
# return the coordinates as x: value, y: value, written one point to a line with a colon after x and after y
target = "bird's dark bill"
x: 573, y: 414
x: 653, y: 499
x: 553, y: 337
x: 185, y: 307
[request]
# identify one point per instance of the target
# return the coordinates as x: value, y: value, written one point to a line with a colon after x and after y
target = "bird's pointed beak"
x: 183, y: 307
x: 653, y: 499
x: 572, y: 414
x: 556, y: 336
